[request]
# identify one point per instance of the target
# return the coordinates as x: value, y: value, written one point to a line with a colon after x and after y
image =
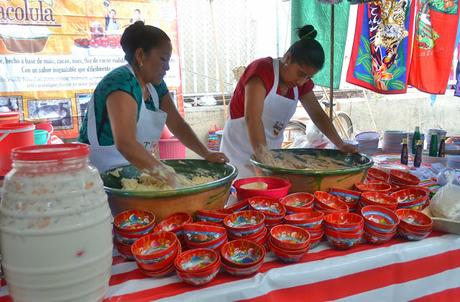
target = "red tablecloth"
x: 427, y: 270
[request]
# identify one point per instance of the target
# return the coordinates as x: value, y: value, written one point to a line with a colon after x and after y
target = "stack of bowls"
x: 368, y: 142
x: 343, y: 230
x: 242, y: 257
x: 373, y: 187
x: 198, y: 266
x: 244, y: 224
x: 414, y: 225
x: 351, y: 198
x: 374, y: 174
x: 327, y: 203
x: 380, y: 224
x: 312, y: 222
x: 174, y: 223
x: 392, y: 140
x: 298, y: 202
x: 378, y: 199
x: 403, y: 179
x: 155, y: 253
x: 204, y: 236
x: 276, y: 187
x: 273, y: 210
x: 289, y: 243
x: 216, y: 216
x: 130, y: 225
x: 412, y: 198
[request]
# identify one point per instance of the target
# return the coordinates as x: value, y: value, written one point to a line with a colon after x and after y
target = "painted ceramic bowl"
x: 350, y: 197
x: 287, y: 256
x: 380, y: 219
x: 197, y: 261
x: 154, y: 245
x: 216, y: 216
x: 344, y: 222
x: 377, y: 174
x: 375, y: 237
x: 124, y: 249
x: 298, y: 202
x: 327, y: 203
x: 373, y: 187
x: 244, y: 223
x: 412, y: 198
x: 239, y: 206
x: 204, y: 236
x: 412, y: 235
x: 271, y: 207
x: 310, y: 220
x: 378, y: 199
x: 402, y: 177
x: 242, y: 253
x: 341, y: 240
x: 134, y: 222
x: 173, y: 223
x: 276, y: 187
x: 290, y: 237
x: 167, y: 271
x: 414, y: 220
x: 238, y: 271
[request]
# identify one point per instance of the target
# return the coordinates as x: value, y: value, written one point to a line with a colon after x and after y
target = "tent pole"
x: 331, y: 82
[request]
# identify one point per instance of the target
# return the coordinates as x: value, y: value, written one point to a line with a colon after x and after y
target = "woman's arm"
x: 322, y: 121
x: 185, y: 134
x: 122, y: 111
x: 254, y: 97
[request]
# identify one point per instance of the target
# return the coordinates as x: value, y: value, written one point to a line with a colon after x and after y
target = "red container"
x: 290, y: 237
x: 173, y: 223
x: 411, y: 196
x: 379, y: 199
x: 277, y: 187
x: 414, y: 220
x: 298, y: 202
x: 171, y: 148
x: 373, y: 187
x: 327, y: 203
x: 155, y: 245
x: 404, y: 178
x: 242, y: 253
x: 271, y: 207
x: 380, y: 218
x: 13, y: 135
x: 9, y: 117
x: 134, y: 221
x: 377, y: 174
x: 239, y: 206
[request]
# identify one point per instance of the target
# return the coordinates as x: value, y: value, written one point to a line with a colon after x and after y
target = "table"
x: 426, y: 270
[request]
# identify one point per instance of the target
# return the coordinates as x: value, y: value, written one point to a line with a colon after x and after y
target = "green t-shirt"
x: 119, y: 79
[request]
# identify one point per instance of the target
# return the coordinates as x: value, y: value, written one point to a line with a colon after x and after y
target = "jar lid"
x: 50, y: 152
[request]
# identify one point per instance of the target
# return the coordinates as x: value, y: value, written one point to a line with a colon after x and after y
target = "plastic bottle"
x: 415, y: 138
x: 442, y: 147
x: 418, y: 154
x: 433, y: 151
x: 404, y: 152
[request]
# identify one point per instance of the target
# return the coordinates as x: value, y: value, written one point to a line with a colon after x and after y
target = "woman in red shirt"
x: 265, y: 99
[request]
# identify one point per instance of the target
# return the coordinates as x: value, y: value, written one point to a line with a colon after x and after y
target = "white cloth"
x: 278, y: 111
x: 148, y: 132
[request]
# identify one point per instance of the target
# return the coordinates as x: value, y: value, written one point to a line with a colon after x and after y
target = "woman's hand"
x: 347, y: 148
x: 164, y: 174
x: 216, y: 157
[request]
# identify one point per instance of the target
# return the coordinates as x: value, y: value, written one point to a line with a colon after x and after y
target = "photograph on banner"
x: 82, y: 105
x: 10, y: 103
x: 58, y: 111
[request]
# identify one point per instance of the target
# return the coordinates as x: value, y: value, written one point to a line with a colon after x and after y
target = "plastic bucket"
x: 11, y: 136
x: 9, y: 117
x: 41, y: 137
x: 171, y: 148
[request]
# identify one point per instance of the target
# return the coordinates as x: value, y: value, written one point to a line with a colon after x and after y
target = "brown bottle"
x: 442, y: 147
x: 418, y: 154
x: 404, y: 152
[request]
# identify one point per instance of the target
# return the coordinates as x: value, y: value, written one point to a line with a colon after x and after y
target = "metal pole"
x: 331, y: 82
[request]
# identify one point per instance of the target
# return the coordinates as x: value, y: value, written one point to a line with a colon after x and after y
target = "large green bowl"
x: 320, y: 180
x: 212, y: 195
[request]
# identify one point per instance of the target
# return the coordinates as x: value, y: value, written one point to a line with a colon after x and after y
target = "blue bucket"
x: 41, y: 137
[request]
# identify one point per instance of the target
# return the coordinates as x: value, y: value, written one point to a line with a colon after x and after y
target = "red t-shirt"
x: 262, y: 68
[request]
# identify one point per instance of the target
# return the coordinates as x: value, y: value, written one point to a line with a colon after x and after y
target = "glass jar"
x: 55, y: 226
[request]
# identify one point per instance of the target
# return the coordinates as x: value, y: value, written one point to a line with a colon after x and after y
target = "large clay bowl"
x: 320, y: 180
x: 210, y: 196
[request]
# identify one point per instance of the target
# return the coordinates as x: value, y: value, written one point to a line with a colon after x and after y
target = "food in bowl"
x: 306, y: 161
x: 25, y: 39
x: 257, y: 185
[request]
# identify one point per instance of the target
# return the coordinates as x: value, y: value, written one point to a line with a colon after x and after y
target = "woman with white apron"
x: 265, y: 99
x: 131, y: 105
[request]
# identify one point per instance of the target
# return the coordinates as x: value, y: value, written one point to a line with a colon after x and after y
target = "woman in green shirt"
x: 131, y: 105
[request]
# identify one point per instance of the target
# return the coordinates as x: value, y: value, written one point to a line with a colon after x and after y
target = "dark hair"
x: 307, y: 50
x: 139, y: 35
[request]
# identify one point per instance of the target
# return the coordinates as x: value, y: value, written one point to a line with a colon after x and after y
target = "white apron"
x: 278, y: 111
x: 148, y: 132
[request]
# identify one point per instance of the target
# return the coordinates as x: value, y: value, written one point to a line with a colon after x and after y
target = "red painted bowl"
x: 215, y: 216
x: 238, y: 271
x: 312, y: 219
x: 244, y: 223
x: 271, y: 207
x: 379, y: 199
x: 377, y: 174
x: 277, y: 187
x: 414, y: 220
x: 199, y: 235
x: 404, y: 178
x: 327, y: 203
x: 287, y: 256
x: 412, y: 235
x: 239, y: 206
x: 375, y: 237
x: 134, y: 221
x: 173, y: 223
x: 373, y: 187
x: 290, y: 237
x: 413, y: 198
x: 197, y: 260
x: 298, y: 202
x: 154, y: 245
x: 242, y: 253
x: 340, y: 240
x: 351, y: 198
x: 344, y: 222
x: 380, y: 219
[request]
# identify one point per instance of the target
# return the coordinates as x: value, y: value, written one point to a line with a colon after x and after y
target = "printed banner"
x: 53, y: 53
x: 381, y: 48
x: 435, y: 34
